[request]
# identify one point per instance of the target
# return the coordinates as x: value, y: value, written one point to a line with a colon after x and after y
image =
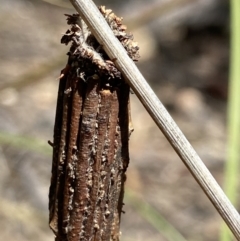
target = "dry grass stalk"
x: 100, y: 29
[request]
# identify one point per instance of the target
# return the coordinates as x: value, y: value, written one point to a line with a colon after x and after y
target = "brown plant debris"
x: 91, y: 132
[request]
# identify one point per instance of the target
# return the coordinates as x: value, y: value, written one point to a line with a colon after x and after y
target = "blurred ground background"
x: 184, y: 47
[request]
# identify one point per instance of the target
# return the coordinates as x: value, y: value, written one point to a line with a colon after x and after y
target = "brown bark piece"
x: 90, y: 146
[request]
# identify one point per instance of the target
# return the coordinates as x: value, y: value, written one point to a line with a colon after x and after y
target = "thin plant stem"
x: 152, y: 216
x: 101, y: 30
x: 232, y: 163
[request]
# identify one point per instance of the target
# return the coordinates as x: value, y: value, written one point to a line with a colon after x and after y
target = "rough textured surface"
x: 90, y: 146
x: 184, y: 56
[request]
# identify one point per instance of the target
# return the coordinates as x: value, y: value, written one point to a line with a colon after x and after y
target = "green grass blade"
x: 232, y: 164
x: 24, y: 142
x: 153, y: 217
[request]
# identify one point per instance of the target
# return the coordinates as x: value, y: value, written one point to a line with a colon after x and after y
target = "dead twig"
x: 98, y: 26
